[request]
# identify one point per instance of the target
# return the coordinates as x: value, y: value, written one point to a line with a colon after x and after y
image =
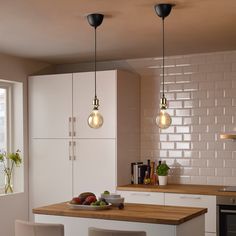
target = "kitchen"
x: 200, y: 90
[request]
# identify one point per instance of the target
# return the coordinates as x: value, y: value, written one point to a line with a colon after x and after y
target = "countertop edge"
x: 213, y: 190
x: 50, y: 210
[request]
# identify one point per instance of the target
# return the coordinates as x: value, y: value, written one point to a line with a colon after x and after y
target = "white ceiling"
x: 57, y: 31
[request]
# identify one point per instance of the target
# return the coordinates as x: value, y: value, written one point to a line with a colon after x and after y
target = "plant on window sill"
x: 9, y: 160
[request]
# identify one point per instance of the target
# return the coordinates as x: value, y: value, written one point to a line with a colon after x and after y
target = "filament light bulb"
x: 95, y: 120
x: 163, y: 120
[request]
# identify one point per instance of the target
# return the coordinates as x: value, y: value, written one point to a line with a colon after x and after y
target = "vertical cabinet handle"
x: 70, y: 144
x: 70, y: 126
x: 74, y: 126
x: 74, y: 149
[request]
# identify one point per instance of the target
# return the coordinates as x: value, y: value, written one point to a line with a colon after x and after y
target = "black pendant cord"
x: 95, y: 62
x: 163, y: 57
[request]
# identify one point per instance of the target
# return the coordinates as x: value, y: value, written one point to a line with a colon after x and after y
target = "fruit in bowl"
x: 75, y: 200
x: 85, y: 198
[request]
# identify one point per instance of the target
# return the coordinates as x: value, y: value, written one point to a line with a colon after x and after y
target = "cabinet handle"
x: 74, y: 126
x: 74, y: 149
x: 70, y: 157
x: 70, y: 128
x: 228, y: 211
x: 189, y: 197
x: 141, y: 194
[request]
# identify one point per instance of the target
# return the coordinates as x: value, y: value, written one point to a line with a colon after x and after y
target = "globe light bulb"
x: 95, y: 120
x: 163, y: 120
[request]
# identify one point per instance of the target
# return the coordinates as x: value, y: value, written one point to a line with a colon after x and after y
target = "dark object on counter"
x: 121, y: 206
x: 141, y: 173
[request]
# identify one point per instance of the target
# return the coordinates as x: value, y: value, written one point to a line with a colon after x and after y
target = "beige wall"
x: 15, y: 206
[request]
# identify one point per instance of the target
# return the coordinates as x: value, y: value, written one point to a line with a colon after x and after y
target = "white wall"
x: 15, y: 206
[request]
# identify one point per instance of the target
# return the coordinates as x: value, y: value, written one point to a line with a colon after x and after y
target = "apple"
x: 76, y: 200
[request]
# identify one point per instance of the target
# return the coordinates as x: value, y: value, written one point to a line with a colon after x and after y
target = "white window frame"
x: 9, y: 115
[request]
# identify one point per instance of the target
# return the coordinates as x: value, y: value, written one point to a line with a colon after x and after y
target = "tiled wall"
x: 201, y: 90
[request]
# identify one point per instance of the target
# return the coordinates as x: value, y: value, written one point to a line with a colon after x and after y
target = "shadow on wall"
x: 175, y: 172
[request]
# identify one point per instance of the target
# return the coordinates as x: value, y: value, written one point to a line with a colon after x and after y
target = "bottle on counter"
x: 146, y: 178
x: 159, y: 163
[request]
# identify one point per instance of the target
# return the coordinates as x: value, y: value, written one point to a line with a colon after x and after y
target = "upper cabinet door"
x: 50, y: 106
x: 83, y: 95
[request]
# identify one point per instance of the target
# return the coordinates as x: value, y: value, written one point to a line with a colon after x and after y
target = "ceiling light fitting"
x: 163, y: 120
x: 95, y: 120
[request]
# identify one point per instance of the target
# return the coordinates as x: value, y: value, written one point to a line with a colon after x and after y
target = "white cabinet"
x: 193, y: 200
x: 66, y: 156
x: 83, y: 95
x: 143, y: 197
x: 50, y: 106
x: 50, y: 171
x: 94, y: 166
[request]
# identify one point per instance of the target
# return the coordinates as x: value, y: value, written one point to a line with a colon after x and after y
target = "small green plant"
x: 162, y: 169
x: 9, y: 160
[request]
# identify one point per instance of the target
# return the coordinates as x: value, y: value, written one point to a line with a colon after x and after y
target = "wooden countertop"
x: 132, y: 212
x: 179, y: 188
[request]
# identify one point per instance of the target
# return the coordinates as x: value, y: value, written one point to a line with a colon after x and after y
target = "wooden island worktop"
x: 132, y: 212
x: 155, y: 220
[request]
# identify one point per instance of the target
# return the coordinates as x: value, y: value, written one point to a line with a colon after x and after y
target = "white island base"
x: 78, y: 226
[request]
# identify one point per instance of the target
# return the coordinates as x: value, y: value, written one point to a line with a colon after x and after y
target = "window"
x: 4, y: 104
x: 11, y: 128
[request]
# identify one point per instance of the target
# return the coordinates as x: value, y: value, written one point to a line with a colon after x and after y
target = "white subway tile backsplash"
x: 207, y: 103
x: 201, y: 91
x: 183, y: 145
x: 215, y: 76
x: 223, y: 85
x: 182, y: 129
x: 207, y: 171
x: 199, y: 145
x: 183, y: 96
x: 175, y: 104
x: 224, y: 172
x: 182, y: 112
x: 175, y: 137
x: 191, y: 154
x: 223, y: 102
x: 215, y: 58
x: 191, y: 137
x: 177, y: 121
x: 207, y: 154
x: 199, y: 163
x: 215, y: 145
x: 167, y: 145
x: 214, y: 180
x: 199, y: 179
x: 230, y: 163
x: 175, y: 154
x: 215, y: 163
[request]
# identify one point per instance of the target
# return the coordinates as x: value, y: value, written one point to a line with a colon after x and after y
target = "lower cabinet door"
x: 50, y: 175
x: 94, y: 166
x: 143, y: 197
x: 192, y: 200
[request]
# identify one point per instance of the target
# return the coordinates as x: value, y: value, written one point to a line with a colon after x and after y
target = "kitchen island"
x: 155, y: 220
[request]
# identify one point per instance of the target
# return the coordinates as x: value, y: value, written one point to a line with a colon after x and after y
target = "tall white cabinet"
x: 66, y: 156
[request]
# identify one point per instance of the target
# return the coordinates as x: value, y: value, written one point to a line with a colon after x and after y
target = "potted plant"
x: 162, y: 171
x: 9, y: 160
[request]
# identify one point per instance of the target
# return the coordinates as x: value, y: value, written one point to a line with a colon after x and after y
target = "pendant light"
x: 95, y: 119
x: 163, y: 120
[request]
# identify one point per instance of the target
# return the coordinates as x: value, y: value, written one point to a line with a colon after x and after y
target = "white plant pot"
x: 162, y: 180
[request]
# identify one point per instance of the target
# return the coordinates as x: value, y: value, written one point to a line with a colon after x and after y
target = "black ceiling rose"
x: 95, y: 19
x: 163, y: 9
